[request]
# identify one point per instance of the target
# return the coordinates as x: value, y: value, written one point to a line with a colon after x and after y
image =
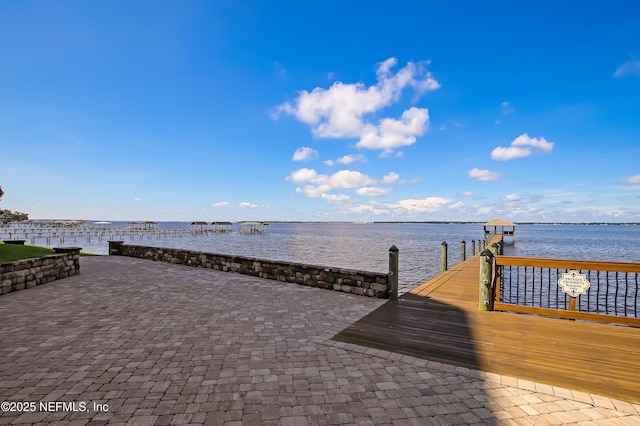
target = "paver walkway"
x: 154, y: 343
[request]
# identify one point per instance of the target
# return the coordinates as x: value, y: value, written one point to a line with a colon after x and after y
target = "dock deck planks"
x: 440, y: 321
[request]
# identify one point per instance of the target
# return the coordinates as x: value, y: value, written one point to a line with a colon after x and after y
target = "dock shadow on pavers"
x: 417, y: 326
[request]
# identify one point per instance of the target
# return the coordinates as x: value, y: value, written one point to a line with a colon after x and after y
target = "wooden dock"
x: 440, y: 321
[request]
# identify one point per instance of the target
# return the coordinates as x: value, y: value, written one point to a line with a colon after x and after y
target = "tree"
x: 7, y: 216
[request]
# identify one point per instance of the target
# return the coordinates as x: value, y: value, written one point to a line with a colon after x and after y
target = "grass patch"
x: 12, y: 252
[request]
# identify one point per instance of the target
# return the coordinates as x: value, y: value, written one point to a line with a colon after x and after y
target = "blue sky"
x: 332, y: 110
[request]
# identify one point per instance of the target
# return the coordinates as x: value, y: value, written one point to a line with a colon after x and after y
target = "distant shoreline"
x: 417, y: 222
x: 526, y: 223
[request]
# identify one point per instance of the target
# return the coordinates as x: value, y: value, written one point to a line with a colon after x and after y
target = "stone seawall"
x: 346, y: 280
x: 29, y: 273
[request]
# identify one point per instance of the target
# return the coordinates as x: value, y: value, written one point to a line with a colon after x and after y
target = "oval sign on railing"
x: 574, y: 283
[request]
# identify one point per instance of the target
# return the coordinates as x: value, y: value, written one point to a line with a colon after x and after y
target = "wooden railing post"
x: 487, y: 272
x: 393, y: 272
x: 464, y: 251
x: 444, y: 256
x: 473, y: 247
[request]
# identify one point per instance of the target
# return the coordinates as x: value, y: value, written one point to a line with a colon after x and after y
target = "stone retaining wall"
x: 349, y: 281
x: 29, y: 273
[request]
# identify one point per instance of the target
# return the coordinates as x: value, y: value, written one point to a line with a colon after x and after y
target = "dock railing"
x: 575, y: 289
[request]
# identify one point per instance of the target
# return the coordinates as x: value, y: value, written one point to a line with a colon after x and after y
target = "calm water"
x: 366, y: 246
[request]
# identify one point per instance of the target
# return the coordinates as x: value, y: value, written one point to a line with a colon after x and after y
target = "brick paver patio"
x: 136, y: 342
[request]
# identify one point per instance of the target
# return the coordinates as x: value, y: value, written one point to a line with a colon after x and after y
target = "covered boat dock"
x: 500, y: 227
x: 199, y: 226
x: 222, y: 226
x: 253, y: 228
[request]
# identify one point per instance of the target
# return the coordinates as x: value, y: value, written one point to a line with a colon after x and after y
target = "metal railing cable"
x: 608, y: 292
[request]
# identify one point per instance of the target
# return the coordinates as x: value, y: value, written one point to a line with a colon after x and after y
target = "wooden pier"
x: 440, y: 321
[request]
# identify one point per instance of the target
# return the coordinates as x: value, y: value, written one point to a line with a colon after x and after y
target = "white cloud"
x: 504, y: 154
x: 336, y: 198
x: 220, y: 204
x: 137, y: 199
x: 515, y: 150
x: 247, y: 205
x: 468, y: 193
x: 511, y: 197
x: 392, y: 133
x: 313, y: 191
x: 372, y: 191
x: 457, y: 205
x: 484, y: 210
x: 506, y: 108
x: 349, y: 179
x: 302, y: 175
x: 347, y: 159
x: 628, y: 68
x: 520, y: 211
x: 409, y: 206
x: 340, y: 111
x: 483, y: 175
x: 526, y: 140
x: 391, y: 177
x: 315, y: 185
x: 631, y: 180
x: 599, y: 211
x: 372, y: 208
x: 305, y: 154
x: 422, y: 205
x: 343, y: 179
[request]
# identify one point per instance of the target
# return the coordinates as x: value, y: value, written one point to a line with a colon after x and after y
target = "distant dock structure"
x: 253, y: 228
x: 500, y: 227
x: 146, y: 226
x: 222, y: 226
x: 202, y: 227
x: 199, y: 226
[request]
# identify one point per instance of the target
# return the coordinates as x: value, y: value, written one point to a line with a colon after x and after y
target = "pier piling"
x: 393, y: 272
x: 444, y: 256
x: 485, y: 302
